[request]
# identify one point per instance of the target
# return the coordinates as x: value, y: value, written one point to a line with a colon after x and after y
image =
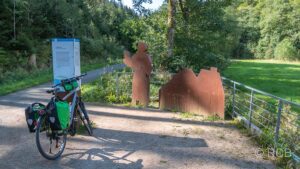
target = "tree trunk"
x: 184, y: 11
x: 171, y: 26
x: 32, y: 61
x: 185, y: 15
x: 14, y: 19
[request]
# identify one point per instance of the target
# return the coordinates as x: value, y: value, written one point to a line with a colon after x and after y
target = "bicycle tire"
x: 41, y: 120
x: 85, y: 119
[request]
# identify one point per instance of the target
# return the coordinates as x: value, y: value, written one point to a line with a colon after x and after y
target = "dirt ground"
x: 127, y: 138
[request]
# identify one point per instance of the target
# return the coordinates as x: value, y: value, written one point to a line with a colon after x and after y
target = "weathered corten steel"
x: 141, y: 65
x: 202, y: 94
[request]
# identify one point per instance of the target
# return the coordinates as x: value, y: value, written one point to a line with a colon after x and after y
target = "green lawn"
x: 278, y: 78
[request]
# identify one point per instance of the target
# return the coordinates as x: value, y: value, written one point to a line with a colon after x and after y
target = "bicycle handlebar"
x: 70, y: 79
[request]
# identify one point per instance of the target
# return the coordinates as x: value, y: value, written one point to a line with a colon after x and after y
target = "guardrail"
x: 112, y: 68
x: 263, y: 113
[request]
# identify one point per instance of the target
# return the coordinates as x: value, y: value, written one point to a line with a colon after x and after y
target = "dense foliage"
x: 152, y: 30
x: 28, y: 25
x: 270, y: 29
x: 206, y: 33
x: 203, y: 38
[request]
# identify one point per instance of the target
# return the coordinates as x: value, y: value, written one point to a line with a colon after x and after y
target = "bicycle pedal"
x: 72, y: 132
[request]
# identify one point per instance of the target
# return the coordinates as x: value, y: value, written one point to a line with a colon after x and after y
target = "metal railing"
x: 121, y: 81
x: 156, y: 81
x: 263, y: 113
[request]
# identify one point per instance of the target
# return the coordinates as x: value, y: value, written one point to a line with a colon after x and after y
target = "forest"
x: 183, y: 33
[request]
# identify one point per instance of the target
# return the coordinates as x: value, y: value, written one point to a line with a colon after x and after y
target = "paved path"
x: 126, y: 138
x: 95, y: 73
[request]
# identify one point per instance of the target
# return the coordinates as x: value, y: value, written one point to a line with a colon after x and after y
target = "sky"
x: 155, y: 4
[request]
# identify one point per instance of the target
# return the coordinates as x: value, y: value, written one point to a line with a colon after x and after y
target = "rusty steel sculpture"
x: 140, y: 62
x: 202, y: 94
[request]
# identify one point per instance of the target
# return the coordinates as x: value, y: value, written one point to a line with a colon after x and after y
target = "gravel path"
x: 126, y: 138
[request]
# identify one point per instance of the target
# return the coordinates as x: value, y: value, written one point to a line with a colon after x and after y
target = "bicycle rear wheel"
x: 85, y: 118
x: 50, y: 144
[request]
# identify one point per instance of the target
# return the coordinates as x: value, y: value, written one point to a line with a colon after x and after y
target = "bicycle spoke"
x: 49, y: 143
x: 50, y: 146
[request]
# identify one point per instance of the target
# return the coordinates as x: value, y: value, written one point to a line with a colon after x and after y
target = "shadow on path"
x: 159, y: 119
x: 101, y: 158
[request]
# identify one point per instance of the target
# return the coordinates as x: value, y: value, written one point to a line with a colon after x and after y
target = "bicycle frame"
x: 76, y: 106
x: 74, y: 101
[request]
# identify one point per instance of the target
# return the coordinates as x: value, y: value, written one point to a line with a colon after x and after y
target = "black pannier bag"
x: 59, y: 114
x: 32, y: 114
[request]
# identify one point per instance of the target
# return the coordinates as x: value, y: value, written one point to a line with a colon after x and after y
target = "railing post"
x: 233, y: 100
x: 278, y: 123
x: 250, y: 109
x: 298, y: 125
x: 117, y: 84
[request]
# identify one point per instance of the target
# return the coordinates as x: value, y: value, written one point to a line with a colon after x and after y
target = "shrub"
x: 4, y: 59
x: 285, y: 50
x: 111, y: 98
x: 44, y: 55
x: 105, y: 89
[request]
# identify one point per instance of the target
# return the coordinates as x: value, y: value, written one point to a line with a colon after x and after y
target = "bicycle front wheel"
x: 50, y: 144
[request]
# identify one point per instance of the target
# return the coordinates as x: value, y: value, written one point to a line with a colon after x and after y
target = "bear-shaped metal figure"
x: 141, y: 64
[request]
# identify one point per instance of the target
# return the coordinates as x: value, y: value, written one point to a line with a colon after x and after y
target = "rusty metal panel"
x: 140, y: 62
x: 202, y: 94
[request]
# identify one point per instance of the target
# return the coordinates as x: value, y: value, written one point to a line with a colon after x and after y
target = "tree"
x: 171, y: 26
x: 28, y: 25
x: 205, y: 34
x: 269, y: 26
x: 171, y: 21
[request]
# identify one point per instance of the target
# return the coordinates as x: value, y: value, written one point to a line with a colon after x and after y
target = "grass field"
x: 278, y: 78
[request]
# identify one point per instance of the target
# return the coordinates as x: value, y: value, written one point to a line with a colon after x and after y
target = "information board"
x: 66, y: 58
